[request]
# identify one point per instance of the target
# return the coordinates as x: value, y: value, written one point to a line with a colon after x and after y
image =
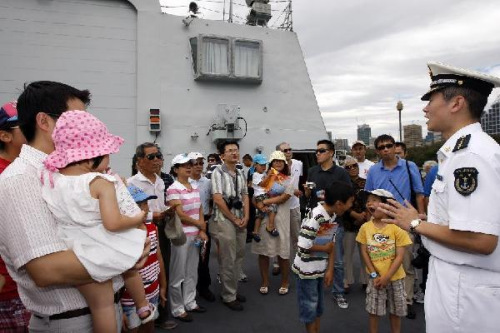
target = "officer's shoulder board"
x: 462, y: 143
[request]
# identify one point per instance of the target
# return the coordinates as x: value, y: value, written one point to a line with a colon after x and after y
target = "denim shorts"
x: 310, y: 297
x: 131, y: 312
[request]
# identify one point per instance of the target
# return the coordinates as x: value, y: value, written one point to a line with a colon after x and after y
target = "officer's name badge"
x: 465, y: 180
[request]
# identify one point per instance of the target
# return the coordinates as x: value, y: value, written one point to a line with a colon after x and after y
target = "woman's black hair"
x: 286, y: 169
x: 96, y: 161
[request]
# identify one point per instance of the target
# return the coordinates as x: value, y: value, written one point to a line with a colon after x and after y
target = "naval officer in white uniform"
x: 463, y: 225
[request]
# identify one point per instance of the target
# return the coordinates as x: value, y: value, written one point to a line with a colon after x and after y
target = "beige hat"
x: 359, y: 142
x: 277, y: 155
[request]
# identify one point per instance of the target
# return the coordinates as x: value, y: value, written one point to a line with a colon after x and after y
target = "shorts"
x: 310, y: 297
x: 131, y: 312
x: 272, y: 208
x: 394, y: 294
x: 13, y: 314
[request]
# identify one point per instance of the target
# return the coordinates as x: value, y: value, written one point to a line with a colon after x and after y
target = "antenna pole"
x: 230, y: 11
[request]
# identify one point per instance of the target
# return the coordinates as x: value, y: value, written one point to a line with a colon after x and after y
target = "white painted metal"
x: 134, y: 60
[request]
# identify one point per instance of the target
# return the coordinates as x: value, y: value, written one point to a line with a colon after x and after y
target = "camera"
x: 234, y: 203
x: 422, y: 258
x: 311, y: 185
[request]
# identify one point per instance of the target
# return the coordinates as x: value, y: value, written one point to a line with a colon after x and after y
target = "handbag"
x: 173, y: 230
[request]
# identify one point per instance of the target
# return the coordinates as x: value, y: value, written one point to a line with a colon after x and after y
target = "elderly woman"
x: 353, y: 219
x: 269, y: 246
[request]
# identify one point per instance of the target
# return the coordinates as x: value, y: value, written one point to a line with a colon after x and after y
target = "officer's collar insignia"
x: 447, y: 149
x: 465, y: 180
x: 439, y: 177
x: 462, y: 143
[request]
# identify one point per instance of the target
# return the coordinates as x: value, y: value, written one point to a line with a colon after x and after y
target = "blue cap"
x: 260, y: 159
x: 139, y: 195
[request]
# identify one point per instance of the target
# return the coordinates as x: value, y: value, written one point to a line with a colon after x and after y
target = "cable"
x: 246, y: 126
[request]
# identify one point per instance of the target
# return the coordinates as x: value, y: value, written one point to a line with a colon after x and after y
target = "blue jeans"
x: 338, y: 273
x: 310, y: 298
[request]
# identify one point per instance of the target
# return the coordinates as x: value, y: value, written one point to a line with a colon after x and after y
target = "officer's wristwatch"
x: 414, y: 224
x: 373, y: 275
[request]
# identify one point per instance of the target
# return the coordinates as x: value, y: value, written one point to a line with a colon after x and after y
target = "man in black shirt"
x: 323, y: 175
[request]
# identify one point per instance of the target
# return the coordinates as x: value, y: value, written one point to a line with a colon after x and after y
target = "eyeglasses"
x: 232, y: 151
x: 321, y: 151
x: 154, y: 155
x: 210, y: 160
x: 352, y: 166
x: 388, y: 146
x: 198, y: 163
x: 287, y: 150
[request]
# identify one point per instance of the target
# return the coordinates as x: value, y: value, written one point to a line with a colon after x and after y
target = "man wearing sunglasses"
x: 393, y: 173
x: 323, y: 175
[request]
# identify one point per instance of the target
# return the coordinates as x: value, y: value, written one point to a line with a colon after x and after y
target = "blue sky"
x: 363, y: 56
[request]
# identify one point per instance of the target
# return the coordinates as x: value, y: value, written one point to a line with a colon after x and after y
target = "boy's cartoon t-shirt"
x: 381, y: 244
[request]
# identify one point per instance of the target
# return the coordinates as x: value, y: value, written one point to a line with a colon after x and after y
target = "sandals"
x: 256, y: 237
x: 274, y: 232
x: 151, y: 308
x: 264, y: 290
x: 283, y: 291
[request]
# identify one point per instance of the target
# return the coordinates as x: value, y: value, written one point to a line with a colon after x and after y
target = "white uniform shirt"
x: 157, y: 188
x: 296, y: 171
x: 364, y: 167
x: 29, y: 231
x: 477, y: 212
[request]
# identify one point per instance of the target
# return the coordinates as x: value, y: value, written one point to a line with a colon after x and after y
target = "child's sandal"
x: 274, y: 232
x: 151, y: 308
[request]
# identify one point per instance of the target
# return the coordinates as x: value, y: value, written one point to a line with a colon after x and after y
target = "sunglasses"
x: 154, y: 155
x: 352, y: 166
x: 321, y: 151
x: 287, y: 150
x: 211, y: 160
x: 388, y: 146
x: 187, y: 165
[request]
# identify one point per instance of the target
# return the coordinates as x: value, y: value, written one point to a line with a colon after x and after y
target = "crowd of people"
x: 84, y: 249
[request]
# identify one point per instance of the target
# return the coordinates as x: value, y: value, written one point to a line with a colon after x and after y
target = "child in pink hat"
x: 96, y: 215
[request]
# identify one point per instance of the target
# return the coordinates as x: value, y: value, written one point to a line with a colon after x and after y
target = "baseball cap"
x: 138, y: 194
x: 359, y: 142
x: 260, y: 159
x: 381, y: 193
x: 181, y: 159
x: 8, y: 113
x: 195, y: 155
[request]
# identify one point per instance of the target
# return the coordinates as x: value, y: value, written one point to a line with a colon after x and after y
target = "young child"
x: 315, y: 257
x: 94, y: 217
x: 261, y: 181
x: 153, y: 273
x: 382, y: 249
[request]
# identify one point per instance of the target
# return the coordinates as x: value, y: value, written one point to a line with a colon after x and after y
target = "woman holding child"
x: 271, y: 246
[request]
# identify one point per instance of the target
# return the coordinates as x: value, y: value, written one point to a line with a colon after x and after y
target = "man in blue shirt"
x: 395, y: 175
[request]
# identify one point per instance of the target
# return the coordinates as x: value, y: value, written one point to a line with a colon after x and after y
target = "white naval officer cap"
x: 444, y: 76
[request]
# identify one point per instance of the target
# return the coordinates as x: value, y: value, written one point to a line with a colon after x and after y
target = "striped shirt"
x: 150, y: 273
x: 317, y: 230
x: 191, y: 203
x: 223, y: 182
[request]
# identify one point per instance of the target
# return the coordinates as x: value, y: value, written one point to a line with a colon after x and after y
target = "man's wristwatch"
x: 373, y: 275
x: 414, y: 224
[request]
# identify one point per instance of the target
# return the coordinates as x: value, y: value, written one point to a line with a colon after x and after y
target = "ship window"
x: 247, y: 57
x: 215, y: 56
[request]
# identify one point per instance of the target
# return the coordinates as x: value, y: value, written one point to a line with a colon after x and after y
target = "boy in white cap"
x: 382, y: 250
x: 463, y: 225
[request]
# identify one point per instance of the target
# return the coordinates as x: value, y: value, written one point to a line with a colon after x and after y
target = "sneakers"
x: 419, y: 297
x: 341, y: 301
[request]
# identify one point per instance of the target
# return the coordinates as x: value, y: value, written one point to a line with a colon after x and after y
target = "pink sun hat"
x: 79, y: 136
